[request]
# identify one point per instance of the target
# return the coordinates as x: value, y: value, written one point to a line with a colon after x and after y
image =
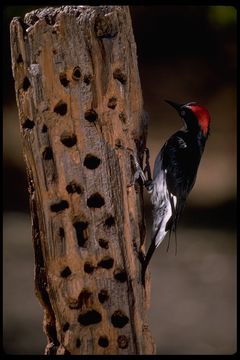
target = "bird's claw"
x: 145, y: 174
x: 138, y: 173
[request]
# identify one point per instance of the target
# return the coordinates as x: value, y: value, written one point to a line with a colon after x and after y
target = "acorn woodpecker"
x: 174, y: 173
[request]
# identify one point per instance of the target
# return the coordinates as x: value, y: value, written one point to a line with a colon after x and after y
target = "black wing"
x: 180, y: 160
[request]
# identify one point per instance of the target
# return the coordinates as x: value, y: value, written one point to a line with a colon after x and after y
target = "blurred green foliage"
x: 222, y: 16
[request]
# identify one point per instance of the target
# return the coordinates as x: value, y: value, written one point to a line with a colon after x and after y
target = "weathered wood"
x: 81, y: 113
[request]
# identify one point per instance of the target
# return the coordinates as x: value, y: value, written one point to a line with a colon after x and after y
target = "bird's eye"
x: 183, y: 113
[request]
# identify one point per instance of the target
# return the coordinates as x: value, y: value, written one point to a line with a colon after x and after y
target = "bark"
x: 81, y: 116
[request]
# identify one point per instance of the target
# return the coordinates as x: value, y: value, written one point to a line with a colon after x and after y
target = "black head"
x: 196, y: 117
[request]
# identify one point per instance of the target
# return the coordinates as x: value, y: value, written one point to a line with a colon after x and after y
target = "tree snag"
x: 81, y: 114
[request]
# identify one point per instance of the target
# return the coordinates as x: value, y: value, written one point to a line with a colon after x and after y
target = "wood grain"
x: 81, y: 115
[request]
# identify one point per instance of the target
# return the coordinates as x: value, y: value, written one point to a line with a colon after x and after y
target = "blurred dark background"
x: 185, y: 53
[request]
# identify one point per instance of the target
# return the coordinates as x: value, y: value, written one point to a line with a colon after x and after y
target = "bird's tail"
x: 172, y: 223
x: 149, y: 255
x: 150, y: 252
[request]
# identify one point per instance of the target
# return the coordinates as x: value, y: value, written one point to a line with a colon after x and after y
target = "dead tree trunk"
x: 80, y: 108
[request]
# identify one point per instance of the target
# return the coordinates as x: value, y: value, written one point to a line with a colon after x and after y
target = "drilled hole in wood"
x: 50, y: 20
x: 110, y: 221
x: 61, y: 108
x: 118, y: 143
x: 119, y: 319
x: 91, y: 115
x: 63, y: 79
x: 120, y: 275
x: 106, y: 262
x: 76, y: 74
x: 81, y: 232
x: 26, y: 84
x: 123, y: 117
x: 78, y: 343
x: 73, y: 304
x: 73, y: 187
x: 28, y: 124
x: 23, y: 25
x: 120, y: 76
x: 19, y: 59
x: 91, y: 161
x: 105, y: 27
x: 47, y: 153
x: 87, y: 79
x: 89, y: 318
x: 103, y: 243
x: 112, y: 103
x: 103, y: 296
x: 68, y: 139
x: 122, y: 342
x: 44, y: 128
x: 59, y: 206
x: 95, y: 201
x: 84, y: 298
x: 88, y: 268
x: 103, y: 341
x: 65, y: 272
x: 61, y: 232
x: 66, y: 327
x: 33, y: 19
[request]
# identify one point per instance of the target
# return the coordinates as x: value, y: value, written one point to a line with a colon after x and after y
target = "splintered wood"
x: 81, y: 117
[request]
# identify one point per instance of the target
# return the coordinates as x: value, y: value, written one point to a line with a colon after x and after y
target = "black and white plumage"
x: 175, y: 171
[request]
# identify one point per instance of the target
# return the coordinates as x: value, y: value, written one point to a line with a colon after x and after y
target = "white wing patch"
x: 174, y: 200
x: 162, y: 209
x: 164, y: 203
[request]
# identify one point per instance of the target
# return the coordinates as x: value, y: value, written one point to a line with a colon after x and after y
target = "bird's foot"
x: 145, y: 174
x: 138, y: 170
x: 147, y: 169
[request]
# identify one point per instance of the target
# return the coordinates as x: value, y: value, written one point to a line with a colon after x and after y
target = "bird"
x: 174, y: 173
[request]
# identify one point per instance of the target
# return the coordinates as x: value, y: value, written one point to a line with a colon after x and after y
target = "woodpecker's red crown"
x: 193, y: 114
x: 202, y: 116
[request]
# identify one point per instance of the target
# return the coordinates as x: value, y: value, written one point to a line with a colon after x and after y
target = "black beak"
x: 175, y: 105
